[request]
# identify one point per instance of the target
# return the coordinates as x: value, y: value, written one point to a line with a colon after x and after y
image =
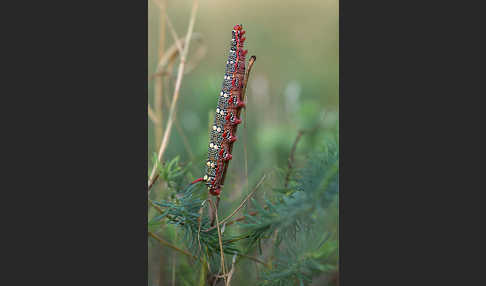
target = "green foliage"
x: 171, y: 172
x: 311, y: 190
x: 299, y: 260
x: 292, y: 215
x: 182, y: 210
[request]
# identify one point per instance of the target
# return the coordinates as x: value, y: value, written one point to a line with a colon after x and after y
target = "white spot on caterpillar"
x: 205, y: 177
x: 217, y: 110
x: 208, y: 163
x: 214, y: 127
x: 219, y: 129
x: 211, y: 145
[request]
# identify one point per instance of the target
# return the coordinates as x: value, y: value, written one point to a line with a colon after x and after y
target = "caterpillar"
x: 223, y: 131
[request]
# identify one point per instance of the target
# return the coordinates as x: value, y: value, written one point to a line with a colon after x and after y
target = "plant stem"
x: 166, y: 243
x: 177, y: 88
x: 240, y: 206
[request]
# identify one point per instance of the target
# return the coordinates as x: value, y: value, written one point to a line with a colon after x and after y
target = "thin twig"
x: 241, y: 205
x: 247, y: 75
x: 220, y: 243
x: 155, y: 206
x: 174, y: 33
x: 199, y: 219
x: 173, y: 52
x: 292, y: 151
x: 152, y: 116
x: 153, y: 182
x: 255, y: 259
x: 171, y: 27
x: 159, y: 86
x: 175, y: 97
x: 291, y: 157
x: 232, y: 271
x: 166, y: 243
x: 241, y: 218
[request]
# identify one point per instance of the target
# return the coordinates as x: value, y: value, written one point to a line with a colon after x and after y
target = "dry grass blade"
x: 240, y: 206
x: 159, y: 84
x: 175, y: 97
x: 163, y: 6
x: 173, y: 52
x: 152, y: 116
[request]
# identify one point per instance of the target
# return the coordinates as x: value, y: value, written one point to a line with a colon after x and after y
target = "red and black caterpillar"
x: 223, y: 132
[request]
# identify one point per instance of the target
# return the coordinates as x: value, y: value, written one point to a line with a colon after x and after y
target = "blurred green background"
x: 293, y: 86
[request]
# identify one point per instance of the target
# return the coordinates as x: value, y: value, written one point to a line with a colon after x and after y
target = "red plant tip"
x: 244, y: 52
x: 242, y: 33
x: 237, y: 27
x: 228, y: 116
x: 228, y: 157
x: 242, y: 39
x: 233, y: 139
x: 224, y: 134
x: 241, y: 104
x: 233, y: 81
x: 237, y: 121
x: 197, y: 180
x: 221, y: 152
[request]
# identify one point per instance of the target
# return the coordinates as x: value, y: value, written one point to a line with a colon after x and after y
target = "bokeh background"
x: 293, y: 86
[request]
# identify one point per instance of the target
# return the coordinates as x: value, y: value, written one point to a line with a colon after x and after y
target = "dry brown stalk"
x: 153, y: 182
x: 158, y: 87
x: 175, y: 97
x: 292, y: 151
x: 291, y: 157
x: 166, y: 243
x: 173, y: 52
x: 152, y: 115
x: 220, y: 242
